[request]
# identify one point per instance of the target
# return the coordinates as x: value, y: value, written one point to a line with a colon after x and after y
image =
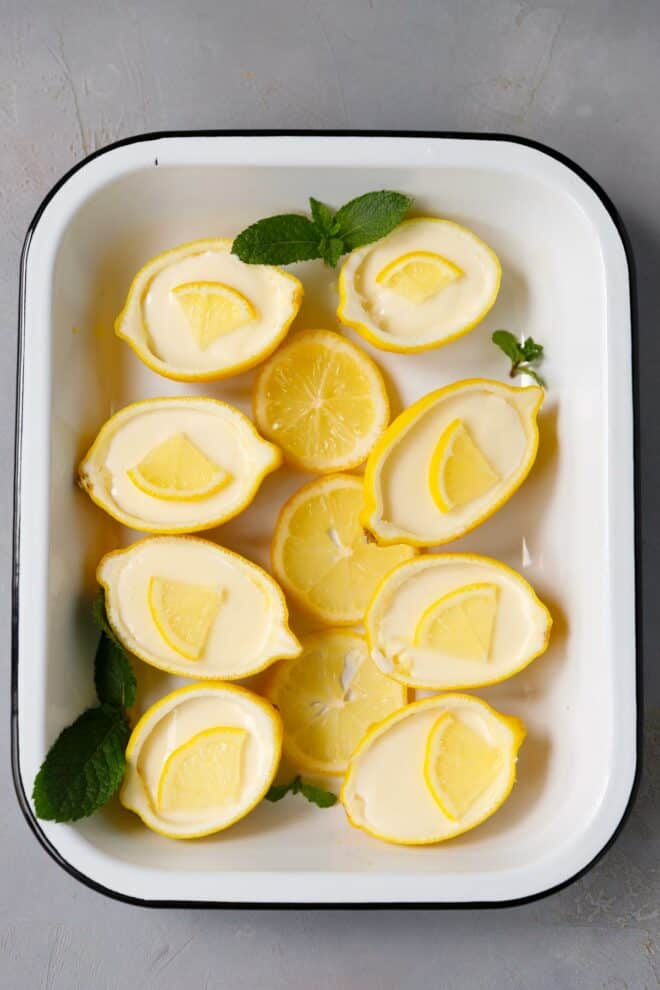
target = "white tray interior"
x: 569, y: 530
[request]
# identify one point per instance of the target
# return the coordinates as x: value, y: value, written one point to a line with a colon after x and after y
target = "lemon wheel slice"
x: 213, y: 309
x: 328, y: 697
x: 178, y: 470
x: 183, y: 614
x: 204, y: 773
x: 461, y: 623
x: 322, y: 555
x: 418, y: 275
x: 458, y: 472
x: 322, y: 400
x: 459, y: 765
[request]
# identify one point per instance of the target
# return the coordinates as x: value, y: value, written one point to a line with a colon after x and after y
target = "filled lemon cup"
x: 200, y: 759
x: 322, y: 400
x: 192, y: 608
x: 323, y: 557
x: 328, y: 698
x: 425, y: 284
x: 448, y: 621
x: 176, y: 465
x: 449, y: 461
x: 432, y: 770
x: 197, y: 312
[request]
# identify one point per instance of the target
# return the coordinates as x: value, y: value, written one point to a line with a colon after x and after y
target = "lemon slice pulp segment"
x: 204, y: 773
x: 322, y: 555
x: 418, y: 275
x: 328, y: 697
x: 458, y: 471
x: 183, y: 614
x: 461, y: 623
x: 459, y: 765
x: 213, y: 309
x: 177, y: 469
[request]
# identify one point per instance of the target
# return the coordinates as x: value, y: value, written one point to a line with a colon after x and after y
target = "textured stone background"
x: 582, y: 75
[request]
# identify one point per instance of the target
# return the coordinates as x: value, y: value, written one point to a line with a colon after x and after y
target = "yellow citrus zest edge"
x: 406, y: 419
x: 468, y: 558
x: 279, y: 671
x: 157, y: 528
x: 515, y: 725
x: 216, y: 374
x: 202, y: 688
x: 384, y: 341
x: 180, y: 671
x: 360, y: 356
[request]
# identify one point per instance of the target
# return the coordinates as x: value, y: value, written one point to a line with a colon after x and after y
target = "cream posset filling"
x: 155, y: 321
x: 520, y: 630
x: 221, y: 433
x: 502, y: 428
x: 456, y: 305
x: 386, y: 792
x: 249, y: 631
x: 179, y: 718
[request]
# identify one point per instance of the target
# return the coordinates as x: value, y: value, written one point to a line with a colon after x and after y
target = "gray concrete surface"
x: 582, y: 75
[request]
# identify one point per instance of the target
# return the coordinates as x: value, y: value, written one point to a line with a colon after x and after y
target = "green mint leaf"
x: 318, y: 796
x: 531, y: 350
x: 84, y: 766
x: 370, y: 217
x: 101, y: 618
x: 332, y: 250
x: 278, y: 240
x: 278, y: 791
x: 323, y: 216
x: 509, y: 345
x: 113, y: 675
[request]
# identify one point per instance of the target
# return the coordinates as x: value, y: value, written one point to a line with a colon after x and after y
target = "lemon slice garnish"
x: 204, y: 773
x: 459, y: 765
x: 322, y: 400
x: 419, y: 275
x: 213, y: 309
x: 461, y: 623
x: 177, y: 469
x: 458, y: 472
x: 328, y: 697
x: 183, y: 614
x: 323, y: 556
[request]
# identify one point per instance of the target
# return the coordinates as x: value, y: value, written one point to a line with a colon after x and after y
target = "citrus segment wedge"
x: 459, y: 765
x: 461, y: 623
x: 177, y: 469
x: 213, y: 309
x: 183, y: 613
x: 458, y: 471
x: 418, y: 275
x: 204, y: 773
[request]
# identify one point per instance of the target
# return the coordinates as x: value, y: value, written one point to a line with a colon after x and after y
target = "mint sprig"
x: 522, y: 354
x: 290, y: 237
x: 315, y: 795
x: 86, y: 763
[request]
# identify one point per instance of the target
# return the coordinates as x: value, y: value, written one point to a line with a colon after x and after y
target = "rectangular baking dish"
x: 571, y: 529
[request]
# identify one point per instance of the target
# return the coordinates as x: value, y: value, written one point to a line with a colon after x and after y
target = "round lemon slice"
x: 322, y: 400
x: 328, y: 697
x: 200, y: 759
x: 192, y: 608
x: 176, y: 465
x: 450, y: 461
x: 428, y: 282
x: 323, y: 557
x: 432, y: 770
x: 198, y: 313
x: 455, y: 620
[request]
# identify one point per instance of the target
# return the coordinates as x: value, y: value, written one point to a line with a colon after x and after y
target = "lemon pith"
x: 458, y: 471
x: 322, y: 400
x: 419, y: 275
x: 183, y: 614
x: 204, y: 772
x: 213, y: 309
x: 459, y: 765
x: 323, y: 557
x: 177, y: 469
x: 461, y: 623
x: 328, y: 697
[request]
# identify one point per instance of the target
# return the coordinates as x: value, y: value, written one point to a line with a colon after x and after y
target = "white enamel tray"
x: 570, y: 529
